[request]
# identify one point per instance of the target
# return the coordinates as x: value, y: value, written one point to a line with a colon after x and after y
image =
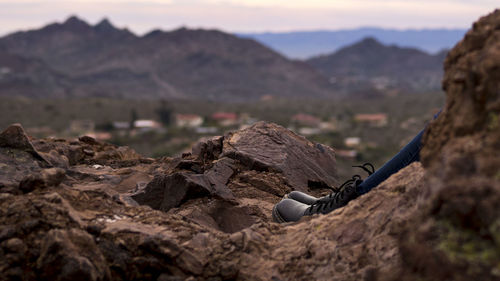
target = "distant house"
x: 206, y: 130
x: 351, y: 154
x: 307, y: 131
x: 225, y: 118
x: 104, y: 136
x: 303, y: 119
x: 352, y: 141
x: 374, y: 120
x: 121, y: 125
x: 188, y: 120
x: 142, y: 126
x: 146, y: 124
x: 330, y: 126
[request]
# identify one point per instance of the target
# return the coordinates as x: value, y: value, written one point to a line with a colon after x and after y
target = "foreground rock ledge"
x: 74, y: 216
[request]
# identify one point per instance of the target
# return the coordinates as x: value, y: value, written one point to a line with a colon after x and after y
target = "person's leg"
x: 407, y: 155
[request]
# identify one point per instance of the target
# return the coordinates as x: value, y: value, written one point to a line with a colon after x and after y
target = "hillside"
x: 372, y: 64
x: 102, y: 60
x: 29, y: 76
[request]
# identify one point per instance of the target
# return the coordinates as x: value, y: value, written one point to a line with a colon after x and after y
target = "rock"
x: 71, y: 255
x: 466, y: 136
x: 123, y: 153
x: 457, y: 229
x: 272, y: 148
x: 208, y: 150
x: 46, y: 178
x: 263, y: 147
x: 56, y: 159
x: 166, y: 192
x: 15, y: 137
x: 88, y: 140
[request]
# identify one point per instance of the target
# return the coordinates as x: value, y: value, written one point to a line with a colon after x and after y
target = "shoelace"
x: 367, y: 167
x: 336, y: 196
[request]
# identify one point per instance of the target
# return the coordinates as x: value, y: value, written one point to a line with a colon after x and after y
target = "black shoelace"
x: 367, y: 167
x: 336, y: 198
x: 338, y: 193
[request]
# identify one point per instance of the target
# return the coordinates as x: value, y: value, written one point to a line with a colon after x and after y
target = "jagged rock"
x: 46, y: 178
x: 459, y: 224
x: 15, y: 137
x: 208, y: 150
x: 264, y: 147
x: 71, y: 255
x: 166, y: 192
x: 270, y: 147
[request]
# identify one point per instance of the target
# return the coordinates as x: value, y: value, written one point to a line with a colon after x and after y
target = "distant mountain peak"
x: 74, y: 21
x: 370, y: 42
x: 104, y: 25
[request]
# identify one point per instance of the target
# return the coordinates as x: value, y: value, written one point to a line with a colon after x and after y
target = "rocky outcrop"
x: 216, y: 164
x: 94, y: 211
x: 460, y: 224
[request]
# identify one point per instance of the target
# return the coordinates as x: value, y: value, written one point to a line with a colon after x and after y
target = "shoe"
x: 311, y: 200
x: 289, y: 210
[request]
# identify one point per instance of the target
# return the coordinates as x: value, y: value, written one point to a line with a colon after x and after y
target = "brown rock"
x: 46, y: 178
x: 71, y: 255
x: 15, y: 137
x: 208, y: 150
x: 464, y: 140
x: 166, y: 192
x: 457, y: 233
x: 270, y: 147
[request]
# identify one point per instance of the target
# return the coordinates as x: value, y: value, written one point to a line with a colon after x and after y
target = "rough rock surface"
x: 206, y: 216
x: 216, y: 167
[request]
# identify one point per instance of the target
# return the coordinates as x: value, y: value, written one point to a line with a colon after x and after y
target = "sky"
x: 141, y: 16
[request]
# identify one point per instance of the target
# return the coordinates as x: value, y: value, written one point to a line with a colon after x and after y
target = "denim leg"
x: 407, y: 155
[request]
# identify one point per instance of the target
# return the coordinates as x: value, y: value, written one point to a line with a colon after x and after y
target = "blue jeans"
x: 407, y: 155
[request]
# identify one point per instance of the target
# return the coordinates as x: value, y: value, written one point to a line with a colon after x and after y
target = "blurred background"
x: 361, y: 76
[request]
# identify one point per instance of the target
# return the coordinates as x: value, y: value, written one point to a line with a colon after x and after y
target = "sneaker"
x: 311, y: 200
x: 288, y: 210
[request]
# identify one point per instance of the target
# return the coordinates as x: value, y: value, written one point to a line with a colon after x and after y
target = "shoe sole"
x: 276, y: 215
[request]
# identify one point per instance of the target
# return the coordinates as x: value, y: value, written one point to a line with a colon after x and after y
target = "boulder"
x: 459, y: 224
x: 263, y: 147
x: 270, y: 147
x: 43, y: 179
x: 71, y: 255
x: 15, y: 137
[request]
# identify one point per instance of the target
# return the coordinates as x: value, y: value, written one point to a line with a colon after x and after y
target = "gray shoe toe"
x: 288, y: 210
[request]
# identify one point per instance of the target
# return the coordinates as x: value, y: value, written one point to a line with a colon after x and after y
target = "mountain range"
x: 307, y: 44
x: 76, y: 59
x: 369, y: 63
x: 79, y: 59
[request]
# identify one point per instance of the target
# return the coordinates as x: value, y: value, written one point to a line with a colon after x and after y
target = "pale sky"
x: 141, y: 16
